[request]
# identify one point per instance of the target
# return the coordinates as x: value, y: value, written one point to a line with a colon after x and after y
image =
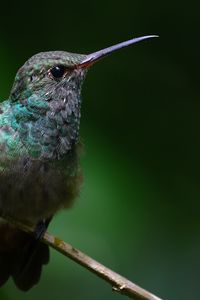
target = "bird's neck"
x: 49, y: 130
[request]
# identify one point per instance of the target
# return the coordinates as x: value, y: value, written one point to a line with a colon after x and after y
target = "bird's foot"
x: 40, y: 228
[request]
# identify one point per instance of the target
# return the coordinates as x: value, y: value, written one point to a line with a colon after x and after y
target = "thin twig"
x: 119, y: 284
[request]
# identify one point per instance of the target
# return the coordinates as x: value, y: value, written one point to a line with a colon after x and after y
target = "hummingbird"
x: 39, y: 155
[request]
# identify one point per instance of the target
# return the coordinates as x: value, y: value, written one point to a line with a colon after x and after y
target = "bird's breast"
x: 31, y: 190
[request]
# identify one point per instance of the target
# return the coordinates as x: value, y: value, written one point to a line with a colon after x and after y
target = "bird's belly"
x: 36, y: 193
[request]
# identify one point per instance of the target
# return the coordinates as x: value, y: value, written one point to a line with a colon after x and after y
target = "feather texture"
x: 39, y: 158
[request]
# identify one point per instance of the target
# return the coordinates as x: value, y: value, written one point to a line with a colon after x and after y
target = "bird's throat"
x: 49, y: 130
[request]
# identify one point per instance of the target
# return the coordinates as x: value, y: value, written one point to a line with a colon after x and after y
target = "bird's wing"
x: 10, y: 143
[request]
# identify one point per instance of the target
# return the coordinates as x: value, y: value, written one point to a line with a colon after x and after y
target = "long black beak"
x: 94, y: 57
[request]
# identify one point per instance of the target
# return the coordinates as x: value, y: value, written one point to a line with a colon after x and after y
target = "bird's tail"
x: 21, y: 257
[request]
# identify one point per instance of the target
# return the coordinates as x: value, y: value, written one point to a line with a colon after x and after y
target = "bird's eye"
x: 58, y: 71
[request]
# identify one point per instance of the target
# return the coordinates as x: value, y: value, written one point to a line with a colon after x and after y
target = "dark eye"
x: 58, y: 71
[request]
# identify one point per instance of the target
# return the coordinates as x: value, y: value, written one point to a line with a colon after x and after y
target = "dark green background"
x: 138, y: 212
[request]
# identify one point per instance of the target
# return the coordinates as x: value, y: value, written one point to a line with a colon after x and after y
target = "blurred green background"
x: 138, y: 211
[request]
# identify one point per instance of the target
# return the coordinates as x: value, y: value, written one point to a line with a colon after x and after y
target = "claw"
x: 41, y: 228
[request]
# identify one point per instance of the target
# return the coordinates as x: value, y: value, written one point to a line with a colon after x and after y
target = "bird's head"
x: 50, y: 75
x: 55, y: 74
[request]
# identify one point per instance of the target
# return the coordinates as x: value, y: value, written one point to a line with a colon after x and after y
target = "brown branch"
x: 119, y: 284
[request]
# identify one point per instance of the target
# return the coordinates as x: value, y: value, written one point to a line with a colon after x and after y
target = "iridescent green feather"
x: 10, y: 143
